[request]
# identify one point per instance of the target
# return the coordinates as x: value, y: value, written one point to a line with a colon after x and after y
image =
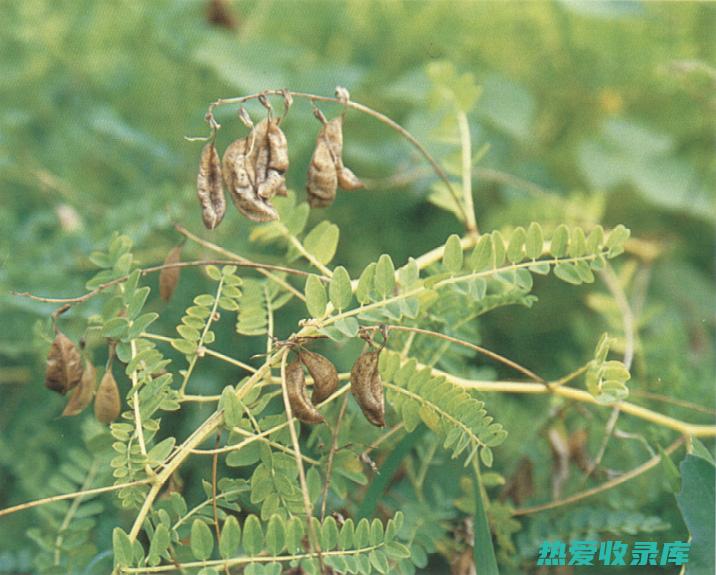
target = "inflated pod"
x: 210, y: 187
x: 323, y: 372
x: 302, y: 408
x: 367, y: 387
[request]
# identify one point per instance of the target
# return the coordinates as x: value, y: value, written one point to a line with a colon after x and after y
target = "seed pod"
x: 169, y: 277
x: 367, y: 387
x: 240, y: 176
x: 64, y: 365
x: 270, y: 158
x: 107, y: 403
x: 323, y: 372
x: 326, y: 171
x: 303, y: 409
x: 210, y: 187
x: 322, y: 178
x: 82, y: 395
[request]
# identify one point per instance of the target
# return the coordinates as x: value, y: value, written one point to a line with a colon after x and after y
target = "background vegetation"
x: 583, y: 113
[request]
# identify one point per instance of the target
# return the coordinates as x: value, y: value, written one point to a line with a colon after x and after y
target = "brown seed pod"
x: 322, y: 177
x: 107, y: 403
x: 323, y: 372
x: 303, y: 409
x: 169, y: 277
x: 367, y: 387
x: 326, y: 171
x: 271, y: 159
x: 210, y: 187
x: 64, y: 365
x: 82, y: 395
x: 239, y: 172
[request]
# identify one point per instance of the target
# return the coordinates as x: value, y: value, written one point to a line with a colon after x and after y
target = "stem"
x: 313, y: 542
x: 643, y: 468
x: 137, y: 412
x: 74, y: 494
x: 200, y: 345
x: 470, y: 222
x: 331, y: 455
x: 72, y: 510
x: 305, y: 253
x: 239, y: 260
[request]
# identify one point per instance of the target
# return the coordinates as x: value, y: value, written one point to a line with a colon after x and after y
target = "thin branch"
x: 239, y: 260
x: 72, y: 510
x: 331, y: 455
x: 484, y: 351
x: 313, y: 542
x: 153, y: 269
x: 466, y: 145
x: 73, y: 495
x: 214, y: 508
x: 643, y: 468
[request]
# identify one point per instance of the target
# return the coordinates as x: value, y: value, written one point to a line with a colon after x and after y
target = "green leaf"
x: 141, y: 323
x: 696, y: 502
x: 339, y: 289
x: 498, y: 249
x: 122, y: 547
x: 116, y: 327
x: 329, y: 534
x: 568, y: 273
x: 253, y: 535
x: 247, y: 455
x: 185, y: 346
x: 202, y: 541
x: 230, y: 537
x: 534, y: 241
x: 516, y: 245
x: 159, y: 544
x: 577, y: 243
x: 452, y: 256
x: 213, y: 272
x: 483, y: 549
x: 365, y: 284
x: 275, y: 535
x: 560, y: 241
x: 384, y: 276
x: 486, y: 456
x: 294, y: 534
x: 322, y: 241
x: 233, y: 411
x: 316, y: 299
x: 161, y: 450
x: 481, y: 256
x: 616, y: 240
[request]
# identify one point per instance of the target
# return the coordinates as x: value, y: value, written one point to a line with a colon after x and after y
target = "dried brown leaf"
x: 84, y: 392
x: 323, y: 372
x: 302, y: 408
x: 367, y: 387
x: 210, y: 187
x: 64, y: 365
x: 107, y: 403
x: 169, y: 277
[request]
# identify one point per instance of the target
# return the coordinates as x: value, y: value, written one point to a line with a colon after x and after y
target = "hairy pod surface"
x: 323, y: 372
x: 210, y: 187
x: 326, y: 172
x: 269, y: 158
x: 239, y: 169
x: 107, y: 403
x: 322, y: 177
x: 84, y: 392
x: 169, y: 277
x: 367, y: 387
x: 302, y: 408
x: 64, y: 365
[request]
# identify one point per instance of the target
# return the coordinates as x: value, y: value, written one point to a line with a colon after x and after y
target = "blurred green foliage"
x: 590, y: 111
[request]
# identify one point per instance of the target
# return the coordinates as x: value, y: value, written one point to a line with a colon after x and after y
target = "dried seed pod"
x: 323, y: 372
x: 107, y: 403
x: 303, y: 409
x: 64, y: 365
x: 169, y: 277
x: 322, y: 177
x: 82, y: 395
x: 210, y: 187
x: 367, y: 387
x: 326, y: 171
x: 270, y: 158
x: 240, y: 176
x: 348, y: 181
